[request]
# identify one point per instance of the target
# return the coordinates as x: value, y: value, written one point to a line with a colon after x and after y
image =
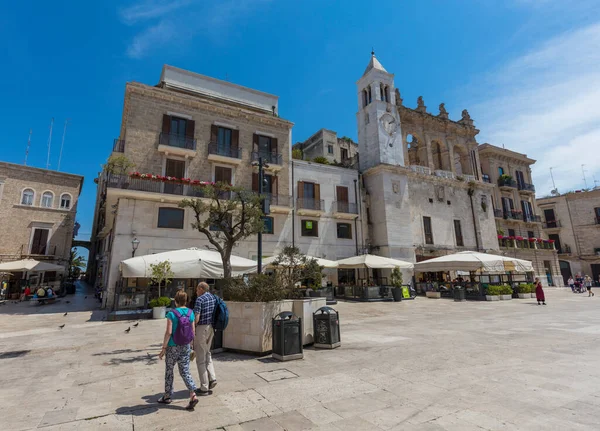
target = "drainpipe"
x: 356, y: 219
x: 293, y: 210
x: 471, y: 191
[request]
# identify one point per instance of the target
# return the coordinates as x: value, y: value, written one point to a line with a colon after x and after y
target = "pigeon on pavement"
x: 128, y: 329
x: 62, y: 326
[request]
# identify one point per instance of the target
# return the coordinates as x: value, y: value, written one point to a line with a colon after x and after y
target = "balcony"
x: 552, y: 224
x: 498, y: 214
x: 508, y: 183
x: 564, y: 249
x: 224, y: 154
x: 420, y: 169
x: 530, y: 218
x: 444, y: 174
x: 486, y: 179
x: 176, y: 144
x: 274, y: 161
x: 526, y: 188
x: 469, y: 178
x: 125, y: 182
x: 119, y: 146
x: 308, y: 206
x: 513, y: 215
x: 345, y: 210
x: 279, y: 203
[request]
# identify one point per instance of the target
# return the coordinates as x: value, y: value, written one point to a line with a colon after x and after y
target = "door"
x: 342, y: 199
x: 548, y: 268
x: 556, y: 239
x: 343, y: 154
x: 174, y: 168
x: 550, y: 218
x: 223, y: 175
x: 40, y: 241
x: 595, y: 273
x: 565, y: 271
x: 520, y: 179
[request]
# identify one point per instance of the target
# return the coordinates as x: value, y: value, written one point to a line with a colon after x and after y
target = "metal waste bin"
x: 326, y: 324
x: 287, y: 337
x: 459, y: 294
x: 397, y: 294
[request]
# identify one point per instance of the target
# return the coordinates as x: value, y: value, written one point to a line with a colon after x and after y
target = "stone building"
x: 196, y: 127
x: 37, y: 214
x: 572, y: 220
x: 325, y: 143
x: 518, y: 219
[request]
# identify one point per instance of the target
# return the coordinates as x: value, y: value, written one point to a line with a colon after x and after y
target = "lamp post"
x: 265, y: 207
x: 134, y: 246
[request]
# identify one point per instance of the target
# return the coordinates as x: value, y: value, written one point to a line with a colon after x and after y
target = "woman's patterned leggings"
x: 181, y: 356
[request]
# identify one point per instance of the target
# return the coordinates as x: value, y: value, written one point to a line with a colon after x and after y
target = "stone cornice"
x: 204, y: 103
x: 504, y: 154
x: 434, y: 123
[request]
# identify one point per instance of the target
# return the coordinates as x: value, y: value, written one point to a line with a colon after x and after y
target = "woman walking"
x: 539, y: 292
x: 571, y: 284
x: 177, y: 346
x: 588, y: 285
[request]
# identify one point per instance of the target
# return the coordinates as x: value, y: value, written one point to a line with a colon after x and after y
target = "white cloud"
x: 545, y: 103
x: 163, y: 20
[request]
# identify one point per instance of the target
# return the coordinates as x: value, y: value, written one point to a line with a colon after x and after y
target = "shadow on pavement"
x: 152, y: 406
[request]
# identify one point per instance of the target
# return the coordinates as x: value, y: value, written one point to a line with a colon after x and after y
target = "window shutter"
x: 235, y: 139
x: 274, y: 185
x: 274, y: 148
x: 300, y: 189
x: 317, y: 192
x: 342, y: 194
x: 166, y: 126
x: 254, y: 142
x: 190, y: 128
x: 254, y: 182
x: 214, y: 131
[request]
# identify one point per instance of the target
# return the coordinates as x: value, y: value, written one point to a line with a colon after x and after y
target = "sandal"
x: 164, y: 400
x: 192, y: 404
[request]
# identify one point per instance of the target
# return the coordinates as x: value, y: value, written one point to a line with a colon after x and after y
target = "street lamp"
x: 134, y: 246
x: 265, y: 207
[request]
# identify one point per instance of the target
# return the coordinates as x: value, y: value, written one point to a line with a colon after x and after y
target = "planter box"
x: 533, y: 295
x: 492, y: 298
x: 249, y: 328
x: 524, y: 295
x: 159, y: 312
x: 318, y: 294
x: 430, y: 294
x: 305, y: 308
x: 505, y: 297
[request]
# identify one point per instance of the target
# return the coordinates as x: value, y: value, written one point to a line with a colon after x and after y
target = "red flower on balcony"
x: 135, y: 175
x: 532, y: 239
x: 511, y: 237
x: 551, y: 241
x: 540, y: 240
x: 519, y: 238
x: 500, y: 236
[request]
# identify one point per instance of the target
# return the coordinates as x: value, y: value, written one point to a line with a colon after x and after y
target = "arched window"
x: 27, y: 197
x: 365, y: 98
x: 65, y: 201
x: 47, y: 198
x: 387, y: 94
x: 382, y: 92
x: 370, y: 96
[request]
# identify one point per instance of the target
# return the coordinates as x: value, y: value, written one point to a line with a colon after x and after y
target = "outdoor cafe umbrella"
x: 187, y: 263
x: 285, y: 262
x: 373, y: 261
x: 29, y: 265
x: 474, y: 261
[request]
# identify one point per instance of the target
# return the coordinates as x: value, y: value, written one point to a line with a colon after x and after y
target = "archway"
x: 437, y: 156
x: 417, y: 151
x: 462, y: 163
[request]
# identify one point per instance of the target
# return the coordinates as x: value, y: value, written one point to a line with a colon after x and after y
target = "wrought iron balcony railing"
x: 224, y: 150
x: 270, y: 158
x: 345, y: 207
x: 310, y: 204
x: 177, y: 141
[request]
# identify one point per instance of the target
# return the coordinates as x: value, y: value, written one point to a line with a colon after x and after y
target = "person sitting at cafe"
x: 41, y: 292
x: 26, y: 293
x: 49, y: 292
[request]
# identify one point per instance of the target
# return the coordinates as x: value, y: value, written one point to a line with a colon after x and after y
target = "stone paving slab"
x: 419, y: 365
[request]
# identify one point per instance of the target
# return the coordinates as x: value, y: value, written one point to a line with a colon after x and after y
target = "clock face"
x: 389, y: 124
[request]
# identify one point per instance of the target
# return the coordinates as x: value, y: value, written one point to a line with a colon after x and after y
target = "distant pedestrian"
x: 588, y: 285
x: 571, y: 284
x: 177, y: 342
x: 204, y: 310
x: 539, y: 292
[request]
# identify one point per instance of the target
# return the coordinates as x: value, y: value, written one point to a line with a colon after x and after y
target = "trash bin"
x: 397, y: 294
x: 287, y: 337
x: 326, y: 324
x: 459, y: 294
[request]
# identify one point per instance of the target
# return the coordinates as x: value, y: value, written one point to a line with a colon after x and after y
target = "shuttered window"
x: 427, y: 230
x: 40, y: 241
x: 458, y: 233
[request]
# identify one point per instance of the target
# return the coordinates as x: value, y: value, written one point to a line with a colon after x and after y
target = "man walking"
x: 204, y: 309
x: 588, y: 285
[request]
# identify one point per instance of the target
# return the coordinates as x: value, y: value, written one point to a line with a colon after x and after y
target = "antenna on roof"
x: 552, y: 176
x: 62, y: 144
x: 49, y: 143
x: 584, y: 179
x: 28, y: 145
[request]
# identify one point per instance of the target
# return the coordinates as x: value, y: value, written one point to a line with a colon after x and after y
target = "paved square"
x: 418, y: 365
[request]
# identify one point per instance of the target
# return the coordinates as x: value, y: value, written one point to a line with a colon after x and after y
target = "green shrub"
x: 260, y: 288
x: 297, y: 154
x: 524, y: 288
x: 499, y: 290
x: 163, y: 301
x: 321, y: 159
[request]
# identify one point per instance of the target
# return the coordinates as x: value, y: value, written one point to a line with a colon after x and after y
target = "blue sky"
x: 527, y: 70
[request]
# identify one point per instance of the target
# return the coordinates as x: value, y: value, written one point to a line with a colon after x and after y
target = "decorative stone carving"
x: 443, y: 113
x: 398, y: 98
x: 466, y: 118
x: 421, y: 105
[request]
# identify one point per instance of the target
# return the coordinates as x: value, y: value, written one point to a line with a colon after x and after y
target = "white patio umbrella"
x: 187, y: 263
x: 322, y: 262
x: 30, y: 265
x: 372, y: 261
x: 473, y: 261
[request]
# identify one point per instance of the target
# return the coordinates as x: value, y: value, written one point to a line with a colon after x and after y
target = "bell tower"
x: 379, y: 128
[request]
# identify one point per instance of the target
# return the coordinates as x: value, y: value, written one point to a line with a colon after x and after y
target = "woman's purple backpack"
x: 184, y: 334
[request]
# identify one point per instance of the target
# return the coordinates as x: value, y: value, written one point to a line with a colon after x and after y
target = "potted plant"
x: 396, y: 280
x: 117, y: 166
x: 505, y: 292
x: 159, y: 306
x: 161, y: 273
x: 524, y: 291
x: 493, y: 293
x: 433, y: 292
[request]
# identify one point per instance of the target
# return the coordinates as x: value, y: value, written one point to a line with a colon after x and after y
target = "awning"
x: 372, y: 261
x: 473, y: 261
x: 30, y: 265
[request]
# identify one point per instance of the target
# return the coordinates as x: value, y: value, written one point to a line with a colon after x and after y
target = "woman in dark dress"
x: 539, y: 292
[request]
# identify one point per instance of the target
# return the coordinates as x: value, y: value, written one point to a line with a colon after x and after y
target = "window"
x: 27, y: 197
x: 365, y: 98
x: 597, y: 212
x: 310, y: 228
x: 427, y: 230
x: 39, y: 242
x: 556, y: 239
x: 511, y: 232
x: 344, y: 231
x: 329, y: 149
x: 309, y: 196
x: 170, y: 218
x: 500, y: 171
x: 458, y: 233
x: 527, y: 209
x: 47, y: 199
x: 520, y: 179
x: 530, y: 234
x: 387, y: 94
x: 269, y: 225
x: 65, y: 201
x: 264, y: 144
x: 343, y: 154
x: 218, y: 226
x: 382, y: 92
x: 346, y: 276
x: 174, y: 168
x: 369, y: 91
x: 550, y: 218
x: 178, y: 126
x: 224, y: 139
